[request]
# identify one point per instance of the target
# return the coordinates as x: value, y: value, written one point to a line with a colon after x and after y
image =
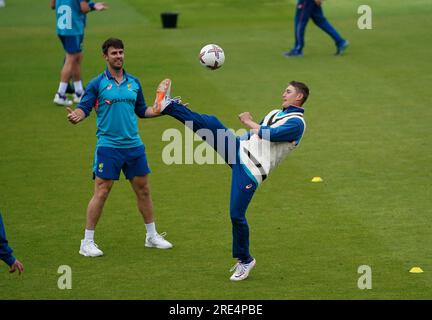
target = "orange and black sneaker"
x: 162, y: 96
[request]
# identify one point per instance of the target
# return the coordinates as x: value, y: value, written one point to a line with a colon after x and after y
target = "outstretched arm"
x: 99, y: 6
x: 141, y: 109
x: 149, y: 113
x: 87, y: 6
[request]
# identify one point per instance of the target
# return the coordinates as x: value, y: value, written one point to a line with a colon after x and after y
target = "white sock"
x: 78, y: 87
x: 62, y: 88
x: 151, y: 229
x: 89, y: 235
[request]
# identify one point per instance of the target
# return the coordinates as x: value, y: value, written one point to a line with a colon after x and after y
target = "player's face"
x: 291, y: 97
x: 115, y: 58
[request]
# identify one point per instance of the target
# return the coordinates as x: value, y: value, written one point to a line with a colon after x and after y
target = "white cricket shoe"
x: 62, y: 100
x: 77, y: 97
x: 242, y: 270
x: 90, y: 249
x: 157, y: 241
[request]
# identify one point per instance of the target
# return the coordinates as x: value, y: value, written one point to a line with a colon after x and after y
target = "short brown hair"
x: 112, y: 42
x: 301, y: 88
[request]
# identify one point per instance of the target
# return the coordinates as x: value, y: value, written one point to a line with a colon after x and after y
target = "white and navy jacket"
x: 280, y: 133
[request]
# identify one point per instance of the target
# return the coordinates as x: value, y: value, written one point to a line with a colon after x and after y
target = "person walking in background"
x: 6, y: 252
x: 312, y: 9
x: 118, y: 99
x: 70, y: 25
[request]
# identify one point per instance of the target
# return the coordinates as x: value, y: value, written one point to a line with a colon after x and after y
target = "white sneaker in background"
x: 157, y: 241
x: 90, y: 249
x: 62, y: 100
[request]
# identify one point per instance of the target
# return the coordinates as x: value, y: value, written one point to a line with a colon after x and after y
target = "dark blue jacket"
x: 5, y: 250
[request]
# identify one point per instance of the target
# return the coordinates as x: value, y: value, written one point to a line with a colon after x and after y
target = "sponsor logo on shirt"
x: 120, y: 100
x: 109, y: 86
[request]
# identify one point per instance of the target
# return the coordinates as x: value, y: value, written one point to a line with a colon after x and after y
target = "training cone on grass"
x: 317, y: 179
x: 416, y: 270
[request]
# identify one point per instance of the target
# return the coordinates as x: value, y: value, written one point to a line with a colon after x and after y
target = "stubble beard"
x: 117, y: 67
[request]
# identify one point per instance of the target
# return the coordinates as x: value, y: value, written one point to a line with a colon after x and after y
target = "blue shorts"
x: 72, y: 44
x: 108, y: 162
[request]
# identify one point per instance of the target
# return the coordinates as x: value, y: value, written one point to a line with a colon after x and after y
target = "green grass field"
x: 369, y: 137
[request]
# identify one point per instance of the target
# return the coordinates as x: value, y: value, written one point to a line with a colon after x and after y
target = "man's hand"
x: 318, y: 2
x: 245, y: 117
x: 247, y: 120
x: 75, y: 116
x: 99, y: 6
x: 17, y: 265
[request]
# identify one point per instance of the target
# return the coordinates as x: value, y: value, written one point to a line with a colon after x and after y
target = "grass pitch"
x: 368, y: 136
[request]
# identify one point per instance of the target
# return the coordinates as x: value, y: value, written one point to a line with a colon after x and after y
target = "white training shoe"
x: 77, y: 97
x: 90, y: 249
x: 62, y: 100
x: 157, y: 241
x: 242, y: 270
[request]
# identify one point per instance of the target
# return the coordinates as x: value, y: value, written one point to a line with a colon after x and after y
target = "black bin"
x: 169, y: 19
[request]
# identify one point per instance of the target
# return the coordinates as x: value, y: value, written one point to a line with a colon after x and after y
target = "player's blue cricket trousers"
x: 242, y: 186
x: 307, y: 9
